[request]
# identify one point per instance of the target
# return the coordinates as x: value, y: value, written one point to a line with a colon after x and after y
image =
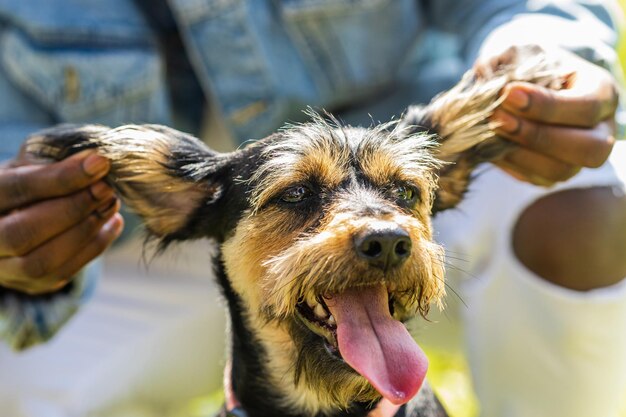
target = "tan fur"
x: 453, y: 181
x: 386, y: 169
x: 137, y: 166
x: 325, y: 263
x: 263, y: 273
x: 461, y: 114
x: 255, y: 239
x: 139, y: 158
x: 305, y: 151
x: 273, y: 265
x: 244, y: 257
x: 344, y: 388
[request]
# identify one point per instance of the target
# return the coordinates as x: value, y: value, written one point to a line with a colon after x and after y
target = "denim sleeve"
x: 27, y: 320
x: 588, y: 28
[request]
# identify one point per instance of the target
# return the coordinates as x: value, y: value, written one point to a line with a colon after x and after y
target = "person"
x: 544, y: 320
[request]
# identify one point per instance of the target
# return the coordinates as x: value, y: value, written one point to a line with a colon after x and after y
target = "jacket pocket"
x: 62, y: 22
x: 111, y: 85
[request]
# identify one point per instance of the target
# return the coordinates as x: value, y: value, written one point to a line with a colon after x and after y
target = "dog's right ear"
x: 171, y: 179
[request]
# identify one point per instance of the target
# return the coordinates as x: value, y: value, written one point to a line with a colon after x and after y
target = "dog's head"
x: 325, y: 235
x: 336, y: 242
x: 324, y: 229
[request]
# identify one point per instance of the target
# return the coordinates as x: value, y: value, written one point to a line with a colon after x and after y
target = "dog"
x: 325, y: 239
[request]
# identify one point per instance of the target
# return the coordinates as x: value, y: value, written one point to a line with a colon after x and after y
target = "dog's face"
x: 333, y: 247
x: 326, y: 241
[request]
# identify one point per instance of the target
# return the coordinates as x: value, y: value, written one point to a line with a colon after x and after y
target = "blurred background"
x: 151, y: 344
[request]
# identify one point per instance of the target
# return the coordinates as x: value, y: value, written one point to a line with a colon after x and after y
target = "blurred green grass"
x: 622, y: 41
x: 448, y: 374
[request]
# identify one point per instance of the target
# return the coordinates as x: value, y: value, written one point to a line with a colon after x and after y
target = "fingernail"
x: 60, y: 284
x: 518, y: 99
x: 107, y: 208
x: 101, y: 190
x: 506, y: 168
x: 95, y: 164
x: 115, y: 225
x: 118, y: 226
x: 507, y: 122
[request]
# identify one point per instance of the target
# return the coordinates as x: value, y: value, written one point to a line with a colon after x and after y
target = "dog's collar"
x: 233, y: 408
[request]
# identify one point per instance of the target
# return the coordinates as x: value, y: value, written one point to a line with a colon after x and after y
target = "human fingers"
x: 591, y: 98
x: 105, y: 237
x: 576, y: 146
x: 536, y: 168
x: 56, y: 262
x: 26, y: 184
x: 21, y: 231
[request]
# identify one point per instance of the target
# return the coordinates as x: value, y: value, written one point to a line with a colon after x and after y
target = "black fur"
x: 216, y: 217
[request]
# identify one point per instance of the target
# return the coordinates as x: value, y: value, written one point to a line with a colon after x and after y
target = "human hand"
x: 54, y: 219
x: 557, y: 132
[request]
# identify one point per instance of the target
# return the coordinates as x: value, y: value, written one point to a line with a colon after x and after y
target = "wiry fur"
x: 157, y: 170
x: 324, y: 146
x: 302, y: 150
x: 274, y: 253
x: 460, y: 116
x: 320, y: 261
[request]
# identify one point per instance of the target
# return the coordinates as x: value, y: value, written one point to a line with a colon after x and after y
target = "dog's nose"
x: 386, y: 248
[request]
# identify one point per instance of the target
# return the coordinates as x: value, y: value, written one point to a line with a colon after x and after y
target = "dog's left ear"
x: 165, y: 176
x: 465, y: 139
x: 459, y: 117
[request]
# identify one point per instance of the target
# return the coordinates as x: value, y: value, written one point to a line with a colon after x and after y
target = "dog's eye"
x: 295, y: 194
x: 405, y: 193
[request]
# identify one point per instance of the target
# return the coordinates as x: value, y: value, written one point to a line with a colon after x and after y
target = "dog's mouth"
x: 358, y: 326
x: 314, y: 313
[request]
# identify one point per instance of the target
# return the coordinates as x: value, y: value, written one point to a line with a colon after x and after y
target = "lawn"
x: 622, y: 45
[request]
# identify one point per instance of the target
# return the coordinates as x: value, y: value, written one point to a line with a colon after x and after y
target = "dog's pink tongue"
x: 377, y: 346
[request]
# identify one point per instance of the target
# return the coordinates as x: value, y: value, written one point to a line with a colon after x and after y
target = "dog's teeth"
x: 310, y: 301
x: 331, y: 321
x: 319, y: 311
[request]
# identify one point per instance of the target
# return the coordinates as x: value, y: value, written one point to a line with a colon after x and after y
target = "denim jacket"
x: 260, y: 61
